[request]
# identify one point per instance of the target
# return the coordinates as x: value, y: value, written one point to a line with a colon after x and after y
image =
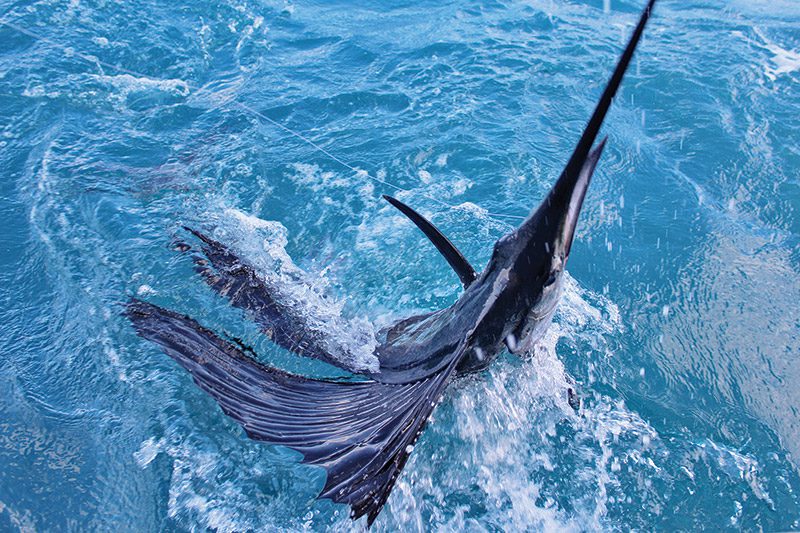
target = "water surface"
x: 680, y: 321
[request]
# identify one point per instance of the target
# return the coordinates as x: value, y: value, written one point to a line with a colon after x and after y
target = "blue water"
x: 680, y: 322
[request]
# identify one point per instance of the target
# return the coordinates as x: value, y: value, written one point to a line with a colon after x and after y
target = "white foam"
x: 127, y: 84
x: 512, y: 412
x: 783, y: 60
x: 579, y: 307
x: 313, y: 177
x: 145, y: 290
x: 148, y: 450
x: 738, y: 466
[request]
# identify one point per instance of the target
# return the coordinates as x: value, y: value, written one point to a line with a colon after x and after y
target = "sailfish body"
x: 362, y: 430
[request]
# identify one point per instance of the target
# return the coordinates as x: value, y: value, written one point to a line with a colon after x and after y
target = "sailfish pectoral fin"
x: 448, y: 250
x: 361, y: 433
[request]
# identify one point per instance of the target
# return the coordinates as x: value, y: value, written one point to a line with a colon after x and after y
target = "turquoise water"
x: 680, y: 320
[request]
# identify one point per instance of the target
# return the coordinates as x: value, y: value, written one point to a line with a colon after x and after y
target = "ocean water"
x: 122, y: 121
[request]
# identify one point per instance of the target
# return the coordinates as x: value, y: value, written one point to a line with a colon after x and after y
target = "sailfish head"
x: 529, y: 261
x: 516, y: 294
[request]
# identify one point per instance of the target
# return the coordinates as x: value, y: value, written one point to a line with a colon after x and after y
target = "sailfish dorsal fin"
x: 448, y: 250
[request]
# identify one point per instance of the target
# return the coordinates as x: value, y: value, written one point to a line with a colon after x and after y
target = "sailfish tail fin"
x: 360, y: 432
x: 233, y: 278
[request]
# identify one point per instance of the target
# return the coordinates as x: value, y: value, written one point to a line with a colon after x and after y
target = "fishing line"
x: 70, y: 52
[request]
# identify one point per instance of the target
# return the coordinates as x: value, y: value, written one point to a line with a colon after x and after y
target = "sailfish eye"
x: 551, y: 279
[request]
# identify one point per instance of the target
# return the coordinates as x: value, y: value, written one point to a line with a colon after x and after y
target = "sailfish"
x: 362, y: 430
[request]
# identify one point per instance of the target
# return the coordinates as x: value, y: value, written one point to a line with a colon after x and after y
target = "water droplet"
x: 512, y: 341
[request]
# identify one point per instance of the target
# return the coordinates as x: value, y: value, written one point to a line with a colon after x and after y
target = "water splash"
x: 263, y: 244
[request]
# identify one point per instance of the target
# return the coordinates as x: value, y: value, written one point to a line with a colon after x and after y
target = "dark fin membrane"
x: 448, y: 250
x: 361, y: 433
x: 231, y: 277
x: 394, y: 332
